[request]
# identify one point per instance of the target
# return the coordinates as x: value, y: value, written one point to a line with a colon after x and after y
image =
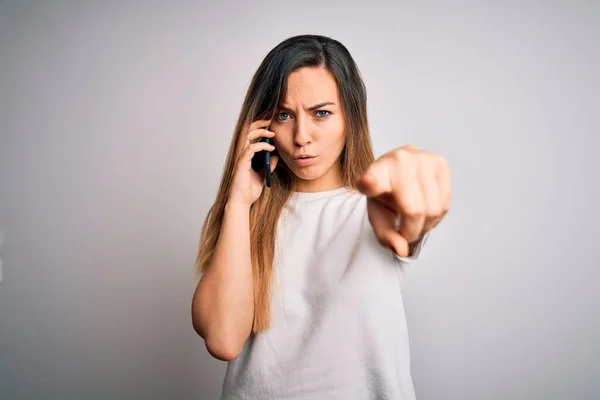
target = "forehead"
x: 311, y: 85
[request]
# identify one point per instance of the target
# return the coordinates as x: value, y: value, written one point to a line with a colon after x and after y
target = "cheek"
x: 284, y: 142
x: 335, y: 136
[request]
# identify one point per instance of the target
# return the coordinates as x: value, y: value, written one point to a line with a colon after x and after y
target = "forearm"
x: 223, y: 305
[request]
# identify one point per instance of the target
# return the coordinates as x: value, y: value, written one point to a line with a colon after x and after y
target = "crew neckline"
x: 306, y: 196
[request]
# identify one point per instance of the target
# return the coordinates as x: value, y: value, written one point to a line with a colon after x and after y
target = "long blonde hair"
x: 265, y: 93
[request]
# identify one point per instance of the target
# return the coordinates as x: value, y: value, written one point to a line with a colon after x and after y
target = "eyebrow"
x: 311, y: 108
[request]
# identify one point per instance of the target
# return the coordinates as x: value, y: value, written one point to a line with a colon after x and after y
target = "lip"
x: 303, y: 162
x: 303, y: 156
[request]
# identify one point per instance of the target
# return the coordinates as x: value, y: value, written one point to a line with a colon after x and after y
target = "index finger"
x: 398, y: 186
x: 377, y: 180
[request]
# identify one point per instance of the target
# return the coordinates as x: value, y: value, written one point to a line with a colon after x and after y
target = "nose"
x: 302, y: 136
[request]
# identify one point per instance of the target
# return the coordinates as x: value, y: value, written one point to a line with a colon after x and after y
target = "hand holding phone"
x: 247, y: 181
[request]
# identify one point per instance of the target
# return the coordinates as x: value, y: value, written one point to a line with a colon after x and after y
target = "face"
x: 311, y: 124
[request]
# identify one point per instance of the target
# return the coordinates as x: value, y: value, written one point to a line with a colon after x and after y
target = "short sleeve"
x: 417, y: 250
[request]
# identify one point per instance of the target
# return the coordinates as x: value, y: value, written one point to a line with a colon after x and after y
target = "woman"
x: 300, y: 287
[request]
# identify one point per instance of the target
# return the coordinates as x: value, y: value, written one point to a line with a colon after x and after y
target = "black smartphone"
x: 262, y: 160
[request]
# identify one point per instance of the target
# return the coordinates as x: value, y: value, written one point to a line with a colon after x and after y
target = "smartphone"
x: 262, y: 160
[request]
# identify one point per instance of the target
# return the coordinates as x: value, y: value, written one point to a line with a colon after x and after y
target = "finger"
x: 376, y: 181
x: 257, y: 133
x: 383, y: 221
x: 261, y: 123
x: 431, y: 196
x: 256, y: 147
x: 409, y: 202
x: 444, y: 181
x: 398, y: 176
x: 274, y: 161
x: 249, y: 151
x: 251, y: 136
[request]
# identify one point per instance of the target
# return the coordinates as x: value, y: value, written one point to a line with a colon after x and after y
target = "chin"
x: 308, y: 175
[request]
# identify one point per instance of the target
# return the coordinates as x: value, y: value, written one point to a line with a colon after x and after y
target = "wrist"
x: 237, y: 205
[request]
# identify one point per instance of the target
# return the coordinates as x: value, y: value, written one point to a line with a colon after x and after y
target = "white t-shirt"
x: 338, y: 327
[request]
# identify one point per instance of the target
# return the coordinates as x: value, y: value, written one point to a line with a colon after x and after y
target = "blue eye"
x: 321, y: 115
x: 279, y: 118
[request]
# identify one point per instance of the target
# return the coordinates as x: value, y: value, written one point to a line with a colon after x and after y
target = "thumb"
x: 274, y: 160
